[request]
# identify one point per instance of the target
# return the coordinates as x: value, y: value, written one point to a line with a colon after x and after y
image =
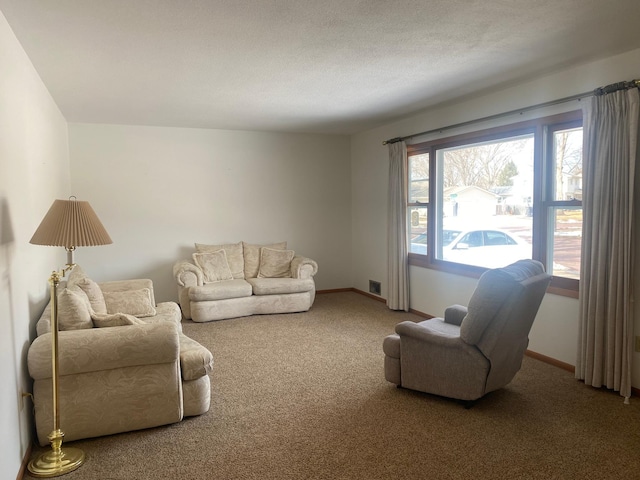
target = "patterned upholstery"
x: 120, y: 378
x: 265, y: 279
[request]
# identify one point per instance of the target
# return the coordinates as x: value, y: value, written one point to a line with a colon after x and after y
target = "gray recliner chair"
x: 473, y: 350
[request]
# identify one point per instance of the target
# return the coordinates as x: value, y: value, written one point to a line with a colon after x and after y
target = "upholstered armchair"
x: 124, y: 362
x: 472, y: 350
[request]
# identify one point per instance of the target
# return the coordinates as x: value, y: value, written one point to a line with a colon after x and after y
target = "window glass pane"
x: 449, y: 236
x: 568, y: 164
x: 485, y: 193
x: 419, y: 178
x: 565, y: 242
x: 418, y: 230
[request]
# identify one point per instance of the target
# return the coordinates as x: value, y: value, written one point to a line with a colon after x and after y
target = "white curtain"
x: 398, y: 269
x: 610, y: 155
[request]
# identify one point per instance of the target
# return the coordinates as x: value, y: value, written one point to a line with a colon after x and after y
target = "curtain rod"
x: 614, y: 87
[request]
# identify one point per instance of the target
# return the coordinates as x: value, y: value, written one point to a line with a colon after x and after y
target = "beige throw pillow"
x: 252, y: 257
x: 75, y: 276
x: 275, y: 263
x: 132, y: 302
x: 214, y: 266
x: 73, y: 310
x: 94, y: 294
x: 114, y: 320
x: 234, y: 252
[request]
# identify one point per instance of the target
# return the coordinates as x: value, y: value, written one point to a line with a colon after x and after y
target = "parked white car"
x: 490, y: 248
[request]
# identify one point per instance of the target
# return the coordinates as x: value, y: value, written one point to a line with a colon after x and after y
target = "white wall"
x: 554, y: 332
x: 158, y: 190
x: 34, y: 170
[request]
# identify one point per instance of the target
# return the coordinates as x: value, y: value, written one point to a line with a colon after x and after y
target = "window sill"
x: 564, y: 287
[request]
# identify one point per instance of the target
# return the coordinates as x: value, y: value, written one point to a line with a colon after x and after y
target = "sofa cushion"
x: 214, y: 266
x: 195, y: 360
x: 134, y: 302
x: 234, y: 252
x: 101, y: 320
x: 220, y: 291
x: 275, y: 263
x: 75, y: 275
x: 252, y: 257
x: 278, y: 286
x: 127, y: 285
x: 94, y: 294
x: 73, y: 309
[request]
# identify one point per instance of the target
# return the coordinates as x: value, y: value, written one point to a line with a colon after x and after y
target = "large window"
x: 487, y: 199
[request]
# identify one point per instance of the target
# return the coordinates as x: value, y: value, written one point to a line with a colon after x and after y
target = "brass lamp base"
x: 50, y: 464
x: 56, y: 461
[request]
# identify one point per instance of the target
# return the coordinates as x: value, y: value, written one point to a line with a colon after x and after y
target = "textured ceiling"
x: 324, y: 66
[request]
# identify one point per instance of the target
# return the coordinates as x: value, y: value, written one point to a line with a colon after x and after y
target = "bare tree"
x: 485, y: 166
x: 419, y: 172
x: 506, y: 176
x: 568, y: 161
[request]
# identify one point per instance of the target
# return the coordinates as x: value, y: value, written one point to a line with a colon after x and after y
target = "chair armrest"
x: 97, y: 349
x: 434, y: 362
x: 455, y: 314
x: 423, y: 334
x: 188, y: 274
x: 303, y: 267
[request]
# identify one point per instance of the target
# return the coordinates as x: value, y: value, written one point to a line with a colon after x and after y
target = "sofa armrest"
x: 303, y: 267
x: 188, y: 274
x: 97, y: 349
x: 455, y: 314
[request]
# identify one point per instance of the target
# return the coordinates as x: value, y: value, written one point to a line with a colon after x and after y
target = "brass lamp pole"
x: 70, y: 224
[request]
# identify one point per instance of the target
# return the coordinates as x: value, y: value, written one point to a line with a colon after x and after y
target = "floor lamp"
x: 70, y: 224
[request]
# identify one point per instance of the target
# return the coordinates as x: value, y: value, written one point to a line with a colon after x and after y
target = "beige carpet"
x: 303, y: 396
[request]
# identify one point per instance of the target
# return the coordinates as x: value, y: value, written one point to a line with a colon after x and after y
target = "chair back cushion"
x: 490, y: 295
x: 501, y: 313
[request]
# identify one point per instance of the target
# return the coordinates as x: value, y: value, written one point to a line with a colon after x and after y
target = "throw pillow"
x: 252, y: 257
x: 132, y: 302
x: 115, y: 320
x: 234, y: 252
x: 94, y: 294
x: 214, y: 266
x: 75, y: 276
x: 275, y: 263
x: 73, y: 310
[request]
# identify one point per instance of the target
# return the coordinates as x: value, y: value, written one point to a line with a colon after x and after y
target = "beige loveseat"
x: 240, y: 279
x: 124, y: 363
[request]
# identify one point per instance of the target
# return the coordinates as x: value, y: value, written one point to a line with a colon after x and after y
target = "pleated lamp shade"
x: 71, y: 223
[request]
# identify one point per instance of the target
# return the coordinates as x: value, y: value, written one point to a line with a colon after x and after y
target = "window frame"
x: 543, y: 201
